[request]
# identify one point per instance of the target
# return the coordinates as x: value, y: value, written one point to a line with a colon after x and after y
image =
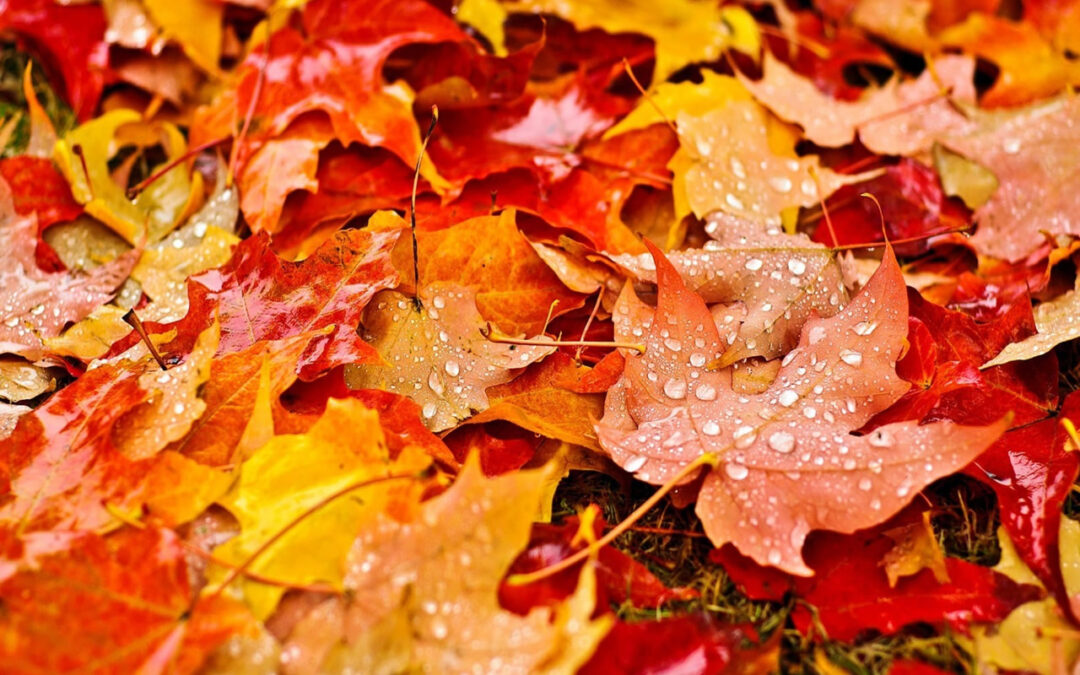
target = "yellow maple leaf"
x: 286, y: 480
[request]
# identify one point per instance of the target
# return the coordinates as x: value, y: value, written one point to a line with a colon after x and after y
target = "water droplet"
x: 1011, y: 146
x: 903, y: 491
x: 865, y: 484
x: 744, y: 436
x: 697, y: 359
x: 705, y: 392
x: 774, y: 557
x: 736, y: 471
x: 438, y: 302
x: 452, y: 368
x: 179, y: 408
x: 781, y: 184
x: 817, y: 334
x: 737, y: 167
x: 673, y: 344
x: 849, y: 464
x: 439, y: 630
x: 435, y: 383
x: 733, y: 201
x: 429, y: 410
x: 851, y: 357
x: 753, y: 264
x: 635, y: 463
x: 782, y: 441
x: 865, y: 327
x: 675, y: 388
x: 710, y: 428
x: 810, y: 412
x: 788, y: 398
x: 796, y: 266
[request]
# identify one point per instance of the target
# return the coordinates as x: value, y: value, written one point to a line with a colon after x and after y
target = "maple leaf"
x: 542, y: 400
x: 1029, y: 68
x: 620, y: 579
x: 241, y: 399
x: 436, y: 354
x: 692, y: 642
x: 195, y: 25
x: 73, y: 36
x: 513, y: 287
x: 913, y: 204
x: 283, y: 164
x: 83, y: 157
x: 1031, y: 470
x: 943, y: 365
x: 35, y: 304
x: 256, y: 296
x: 896, y: 119
x: 286, y: 478
x: 88, y: 448
x: 731, y: 168
x: 133, y: 585
x: 334, y: 64
x: 787, y: 461
x: 38, y: 188
x: 1034, y: 637
x: 781, y: 280
x: 1028, y: 152
x: 684, y: 31
x: 427, y: 590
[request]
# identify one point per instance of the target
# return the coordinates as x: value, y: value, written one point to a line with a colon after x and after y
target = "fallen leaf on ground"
x: 433, y: 350
x: 785, y: 454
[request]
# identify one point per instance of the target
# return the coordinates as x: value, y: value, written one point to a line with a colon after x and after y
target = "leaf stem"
x: 537, y: 342
x: 412, y: 210
x: 134, y: 190
x: 132, y: 319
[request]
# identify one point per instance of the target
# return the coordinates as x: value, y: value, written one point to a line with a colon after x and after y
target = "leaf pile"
x: 529, y: 336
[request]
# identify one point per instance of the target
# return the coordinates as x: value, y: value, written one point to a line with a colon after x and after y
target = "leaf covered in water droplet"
x: 727, y: 164
x: 35, y: 304
x: 424, y: 593
x: 780, y: 280
x: 436, y: 353
x: 787, y: 462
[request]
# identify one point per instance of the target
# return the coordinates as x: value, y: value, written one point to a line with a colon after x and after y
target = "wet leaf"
x: 436, y: 354
x: 290, y: 476
x: 784, y: 453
